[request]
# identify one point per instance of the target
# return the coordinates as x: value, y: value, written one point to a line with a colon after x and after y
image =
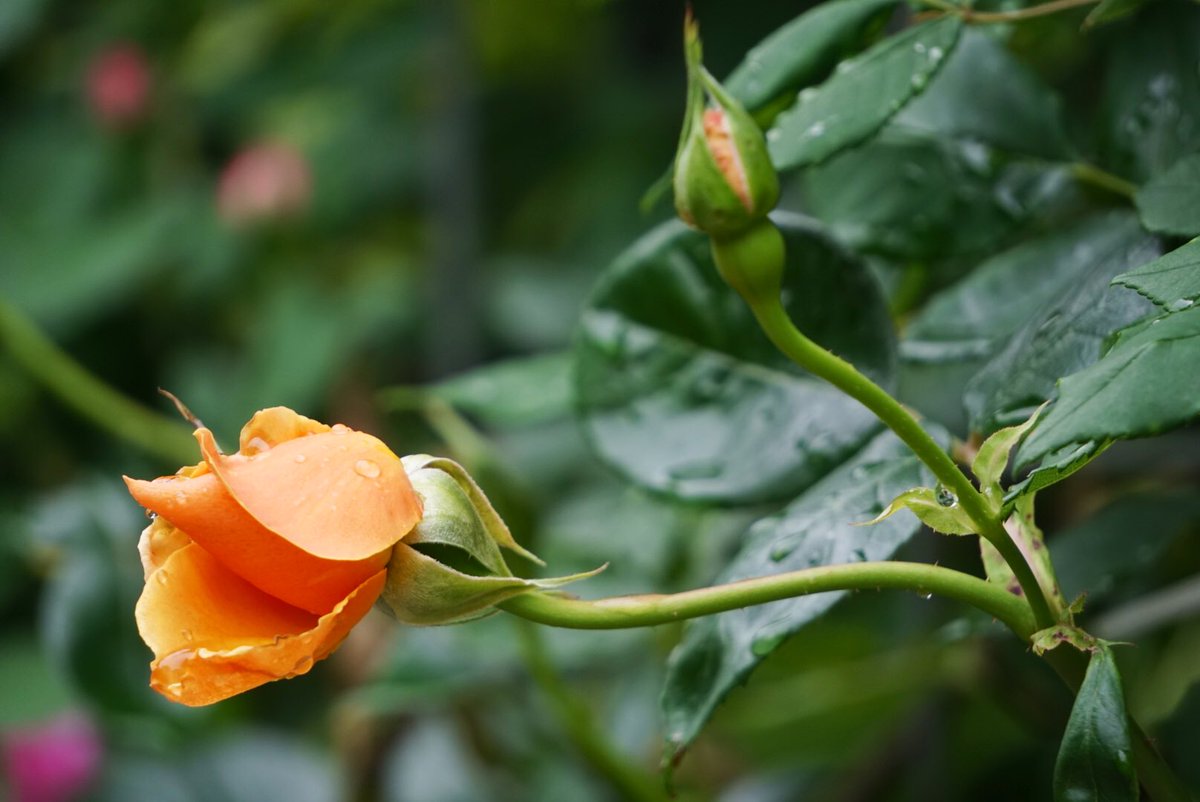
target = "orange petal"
x: 214, y: 635
x: 202, y: 508
x: 159, y: 541
x: 339, y: 495
x: 270, y: 427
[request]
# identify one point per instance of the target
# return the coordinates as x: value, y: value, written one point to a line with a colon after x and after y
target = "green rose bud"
x: 724, y: 181
x: 450, y: 567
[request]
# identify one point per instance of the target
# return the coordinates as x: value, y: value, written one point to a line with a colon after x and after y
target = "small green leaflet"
x: 863, y: 93
x: 1111, y: 10
x: 992, y: 458
x: 1095, y: 761
x: 941, y: 514
x: 1147, y: 383
x: 1172, y: 280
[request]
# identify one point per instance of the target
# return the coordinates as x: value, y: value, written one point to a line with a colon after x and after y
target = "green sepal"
x: 417, y: 465
x: 420, y: 591
x: 947, y: 519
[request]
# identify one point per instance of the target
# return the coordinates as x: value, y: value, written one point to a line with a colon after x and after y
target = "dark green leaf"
x: 1066, y: 334
x: 1098, y: 557
x: 974, y: 317
x: 863, y: 93
x: 818, y: 528
x: 515, y: 392
x: 1172, y: 280
x: 803, y: 51
x: 985, y: 94
x: 1095, y: 761
x: 1151, y: 104
x: 1111, y: 10
x: 680, y: 391
x: 1170, y: 202
x: 1147, y: 383
x: 906, y: 195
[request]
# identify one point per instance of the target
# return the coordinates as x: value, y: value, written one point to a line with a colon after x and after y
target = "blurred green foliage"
x: 467, y: 171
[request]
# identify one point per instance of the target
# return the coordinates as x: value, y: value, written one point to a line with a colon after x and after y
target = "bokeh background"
x: 331, y: 207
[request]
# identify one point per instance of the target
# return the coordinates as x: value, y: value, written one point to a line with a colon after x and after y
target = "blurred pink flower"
x: 51, y: 762
x: 267, y: 181
x: 118, y: 85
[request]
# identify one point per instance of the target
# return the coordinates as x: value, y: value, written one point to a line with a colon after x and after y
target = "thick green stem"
x: 72, y: 384
x: 841, y: 374
x: 580, y: 726
x: 649, y: 610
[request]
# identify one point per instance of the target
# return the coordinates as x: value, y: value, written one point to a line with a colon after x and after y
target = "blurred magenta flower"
x: 118, y: 85
x: 266, y: 181
x: 54, y: 761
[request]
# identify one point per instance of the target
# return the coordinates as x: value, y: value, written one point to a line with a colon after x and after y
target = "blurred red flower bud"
x: 52, y: 762
x: 267, y: 181
x: 118, y: 86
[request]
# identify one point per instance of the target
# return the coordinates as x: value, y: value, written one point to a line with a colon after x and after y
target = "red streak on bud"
x: 720, y: 144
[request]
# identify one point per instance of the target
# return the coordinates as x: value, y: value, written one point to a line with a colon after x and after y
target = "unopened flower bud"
x: 724, y: 180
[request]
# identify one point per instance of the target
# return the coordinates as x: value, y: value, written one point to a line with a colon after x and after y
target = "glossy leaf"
x: 908, y: 195
x: 863, y: 93
x: 803, y: 51
x: 984, y: 94
x: 1170, y: 202
x: 1095, y: 761
x: 974, y: 317
x: 1147, y: 383
x: 679, y: 390
x: 1172, y: 280
x: 1066, y: 334
x: 514, y: 392
x: 818, y: 528
x: 1151, y: 101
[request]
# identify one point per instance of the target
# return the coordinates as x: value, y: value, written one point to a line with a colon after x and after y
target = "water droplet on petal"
x: 186, y: 634
x: 340, y: 428
x: 366, y: 468
x: 299, y: 458
x: 257, y: 445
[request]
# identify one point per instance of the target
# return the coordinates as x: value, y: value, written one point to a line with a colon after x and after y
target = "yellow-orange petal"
x: 339, y: 495
x: 214, y: 635
x: 159, y: 541
x: 274, y: 425
x: 202, y: 508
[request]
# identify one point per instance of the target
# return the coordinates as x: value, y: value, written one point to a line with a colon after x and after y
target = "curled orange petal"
x: 159, y: 541
x: 274, y: 425
x: 338, y: 495
x: 202, y: 508
x: 215, y: 635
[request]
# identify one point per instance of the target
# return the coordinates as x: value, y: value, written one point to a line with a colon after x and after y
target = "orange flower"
x: 260, y: 562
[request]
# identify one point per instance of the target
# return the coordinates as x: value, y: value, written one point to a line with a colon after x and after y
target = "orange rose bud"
x: 259, y: 562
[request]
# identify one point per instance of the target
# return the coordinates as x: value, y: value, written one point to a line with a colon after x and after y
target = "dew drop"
x: 340, y: 428
x: 366, y: 468
x: 186, y: 634
x: 927, y: 596
x: 945, y: 497
x: 299, y: 458
x: 161, y: 576
x: 816, y: 129
x: 303, y: 664
x: 151, y: 514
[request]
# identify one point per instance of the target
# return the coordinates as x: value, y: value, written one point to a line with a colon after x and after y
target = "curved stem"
x: 577, y: 721
x: 804, y: 352
x: 1024, y: 13
x: 96, y: 401
x: 622, y: 612
x: 1091, y: 174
